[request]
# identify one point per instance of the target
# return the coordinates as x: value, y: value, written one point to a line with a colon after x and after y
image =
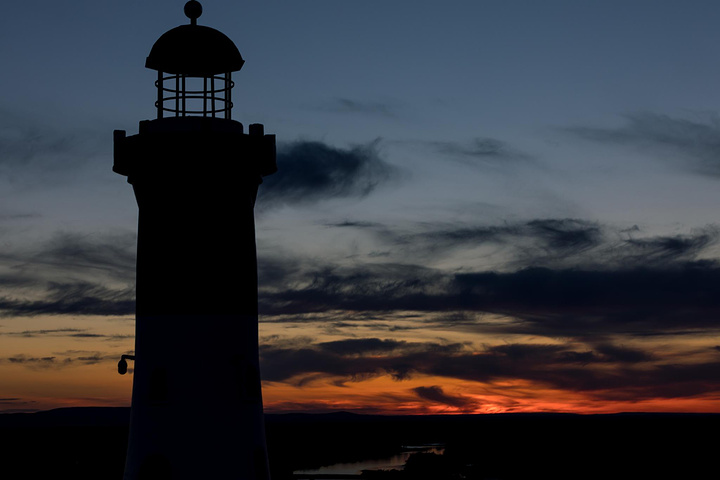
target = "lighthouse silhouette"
x: 196, y: 398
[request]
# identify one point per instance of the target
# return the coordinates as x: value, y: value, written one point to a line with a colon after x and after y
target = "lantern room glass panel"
x: 182, y: 95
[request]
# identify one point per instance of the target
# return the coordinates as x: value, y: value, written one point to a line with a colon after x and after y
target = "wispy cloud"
x: 435, y: 394
x: 547, y: 242
x: 487, y: 152
x: 77, y: 333
x: 70, y: 274
x: 694, y: 144
x: 77, y: 298
x: 111, y: 253
x: 17, y: 405
x: 360, y: 107
x: 32, y: 153
x: 59, y: 360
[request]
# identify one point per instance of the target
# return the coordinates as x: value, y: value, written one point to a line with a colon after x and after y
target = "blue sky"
x: 459, y: 140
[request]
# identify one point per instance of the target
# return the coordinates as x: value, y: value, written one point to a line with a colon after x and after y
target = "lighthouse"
x: 196, y: 395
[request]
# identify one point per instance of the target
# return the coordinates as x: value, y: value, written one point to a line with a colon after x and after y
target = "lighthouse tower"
x: 196, y: 399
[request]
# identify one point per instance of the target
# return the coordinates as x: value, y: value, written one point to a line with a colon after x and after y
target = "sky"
x: 481, y: 206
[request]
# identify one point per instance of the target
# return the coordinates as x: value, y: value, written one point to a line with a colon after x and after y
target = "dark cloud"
x: 603, y: 353
x: 313, y: 171
x: 619, y: 353
x: 527, y: 352
x: 693, y: 143
x: 60, y: 360
x: 79, y: 333
x: 636, y: 384
x: 576, y: 302
x: 9, y: 399
x: 436, y: 394
x: 347, y: 360
x: 354, y: 224
x: 94, y: 358
x: 46, y: 332
x: 565, y: 235
x: 33, y: 362
x: 361, y: 346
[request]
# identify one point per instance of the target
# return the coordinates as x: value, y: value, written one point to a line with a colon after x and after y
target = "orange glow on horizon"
x: 100, y: 385
x: 388, y: 397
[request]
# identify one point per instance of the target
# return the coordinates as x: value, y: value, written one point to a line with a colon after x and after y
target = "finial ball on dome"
x: 193, y: 10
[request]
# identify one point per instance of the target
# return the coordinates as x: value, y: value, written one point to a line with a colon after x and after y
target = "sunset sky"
x: 482, y: 206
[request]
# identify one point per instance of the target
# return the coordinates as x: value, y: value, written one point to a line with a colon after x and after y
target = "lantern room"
x: 194, y: 65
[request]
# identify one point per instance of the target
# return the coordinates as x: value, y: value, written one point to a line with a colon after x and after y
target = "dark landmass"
x: 89, y: 443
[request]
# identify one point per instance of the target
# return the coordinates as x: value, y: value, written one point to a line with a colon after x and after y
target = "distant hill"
x: 69, y: 417
x: 120, y: 416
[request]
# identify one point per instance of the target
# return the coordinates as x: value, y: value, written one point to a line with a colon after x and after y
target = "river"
x: 396, y: 462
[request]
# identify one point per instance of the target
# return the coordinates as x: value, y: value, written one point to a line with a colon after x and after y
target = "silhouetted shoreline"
x: 89, y: 443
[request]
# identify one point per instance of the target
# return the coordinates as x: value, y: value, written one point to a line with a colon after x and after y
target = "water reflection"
x: 396, y: 462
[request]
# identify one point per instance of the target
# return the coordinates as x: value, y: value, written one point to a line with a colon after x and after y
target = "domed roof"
x: 194, y: 50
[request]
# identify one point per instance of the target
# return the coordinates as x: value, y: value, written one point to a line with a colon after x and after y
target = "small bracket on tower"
x: 122, y: 364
